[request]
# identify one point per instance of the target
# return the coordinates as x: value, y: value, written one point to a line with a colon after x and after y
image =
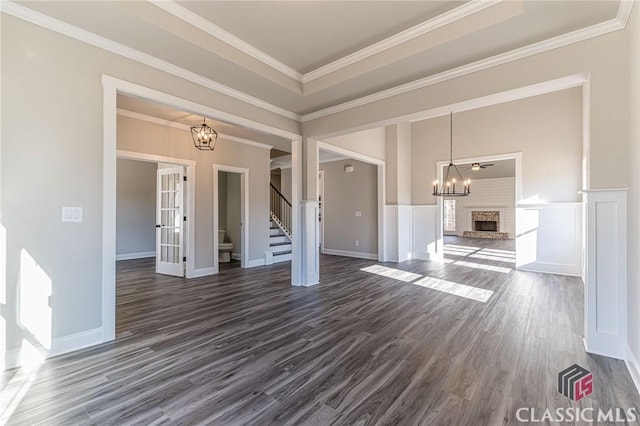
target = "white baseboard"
x: 359, y: 255
x: 254, y: 263
x: 60, y: 345
x: 202, y: 272
x: 425, y: 255
x: 553, y: 268
x: 236, y: 256
x: 634, y: 367
x: 140, y: 255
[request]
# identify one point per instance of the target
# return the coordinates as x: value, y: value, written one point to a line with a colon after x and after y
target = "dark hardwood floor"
x: 464, y: 342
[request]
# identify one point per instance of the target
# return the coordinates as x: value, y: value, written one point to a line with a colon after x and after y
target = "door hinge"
x: 157, y: 226
x: 184, y: 178
x: 184, y: 259
x: 184, y: 219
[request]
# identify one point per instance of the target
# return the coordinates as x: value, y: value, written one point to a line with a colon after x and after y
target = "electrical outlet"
x: 72, y: 214
x: 357, y: 243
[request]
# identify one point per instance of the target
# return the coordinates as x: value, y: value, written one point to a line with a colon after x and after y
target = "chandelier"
x: 451, y: 175
x: 204, y: 137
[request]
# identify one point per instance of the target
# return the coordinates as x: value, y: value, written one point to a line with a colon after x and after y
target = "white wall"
x: 346, y: 193
x: 136, y: 208
x: 496, y: 193
x: 142, y: 136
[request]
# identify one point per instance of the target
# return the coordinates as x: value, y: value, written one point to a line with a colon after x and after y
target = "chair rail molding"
x: 606, y: 272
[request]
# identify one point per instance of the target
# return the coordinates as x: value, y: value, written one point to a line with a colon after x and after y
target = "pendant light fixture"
x: 451, y: 174
x: 204, y: 137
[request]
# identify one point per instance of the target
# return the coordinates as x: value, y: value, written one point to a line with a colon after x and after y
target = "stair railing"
x: 280, y: 209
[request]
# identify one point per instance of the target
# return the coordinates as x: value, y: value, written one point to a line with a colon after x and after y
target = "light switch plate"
x: 72, y: 214
x: 358, y: 213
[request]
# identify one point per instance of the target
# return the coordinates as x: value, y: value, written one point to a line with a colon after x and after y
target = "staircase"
x: 280, y: 226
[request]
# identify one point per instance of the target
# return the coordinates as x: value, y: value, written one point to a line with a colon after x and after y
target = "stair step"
x: 280, y: 248
x: 275, y: 239
x: 282, y: 257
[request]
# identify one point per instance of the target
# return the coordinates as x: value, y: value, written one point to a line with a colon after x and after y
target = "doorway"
x: 231, y: 237
x: 170, y: 195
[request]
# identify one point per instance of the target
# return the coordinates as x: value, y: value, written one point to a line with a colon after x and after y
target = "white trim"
x: 244, y: 208
x: 255, y: 262
x: 523, y: 92
x: 139, y: 255
x: 236, y: 256
x: 182, y: 104
x: 59, y: 346
x: 359, y: 255
x: 605, y: 295
x: 483, y: 64
x: 349, y: 154
x: 418, y: 30
x: 155, y: 120
x: 624, y: 11
x: 380, y: 184
x: 111, y: 86
x: 212, y: 29
x: 69, y: 30
x: 202, y: 272
x: 633, y: 366
x: 296, y: 213
x: 190, y: 173
x: 460, y: 12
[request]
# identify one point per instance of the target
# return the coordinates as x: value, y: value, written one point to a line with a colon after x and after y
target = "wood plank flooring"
x: 397, y: 344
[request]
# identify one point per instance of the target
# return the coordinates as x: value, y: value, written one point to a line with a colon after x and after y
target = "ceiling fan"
x: 477, y: 166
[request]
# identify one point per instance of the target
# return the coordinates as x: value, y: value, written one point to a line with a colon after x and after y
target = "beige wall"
x: 285, y: 183
x: 369, y: 142
x: 142, y: 136
x: 547, y: 129
x: 603, y: 58
x: 136, y: 207
x: 52, y: 150
x: 344, y: 194
x: 633, y: 308
x: 234, y: 212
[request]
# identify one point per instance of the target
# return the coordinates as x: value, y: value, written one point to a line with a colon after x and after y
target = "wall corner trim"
x: 633, y: 366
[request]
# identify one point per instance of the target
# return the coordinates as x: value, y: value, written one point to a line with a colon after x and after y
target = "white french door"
x: 170, y: 222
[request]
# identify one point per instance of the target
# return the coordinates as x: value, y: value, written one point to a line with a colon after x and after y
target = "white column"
x: 605, y: 292
x: 309, y: 226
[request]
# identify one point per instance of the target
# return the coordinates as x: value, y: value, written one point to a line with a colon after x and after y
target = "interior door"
x: 321, y: 208
x: 170, y: 222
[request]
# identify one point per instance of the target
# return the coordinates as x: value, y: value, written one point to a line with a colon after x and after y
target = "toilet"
x: 224, y: 249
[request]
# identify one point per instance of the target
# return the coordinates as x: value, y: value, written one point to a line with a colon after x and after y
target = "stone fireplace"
x: 486, y: 224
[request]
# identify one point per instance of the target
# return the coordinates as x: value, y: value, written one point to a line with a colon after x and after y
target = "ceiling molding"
x: 624, y: 11
x: 210, y: 28
x: 460, y: 12
x: 155, y: 120
x: 58, y: 26
x: 467, y: 9
x: 483, y: 64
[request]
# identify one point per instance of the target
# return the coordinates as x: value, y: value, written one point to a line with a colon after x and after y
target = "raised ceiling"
x: 311, y: 55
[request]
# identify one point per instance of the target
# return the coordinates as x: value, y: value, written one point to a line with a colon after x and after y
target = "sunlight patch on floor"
x: 462, y: 290
x: 396, y: 274
x: 483, y: 266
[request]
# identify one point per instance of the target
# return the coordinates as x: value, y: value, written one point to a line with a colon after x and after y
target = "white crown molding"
x: 624, y: 11
x: 503, y: 58
x: 160, y: 121
x: 58, y: 26
x: 467, y: 9
x: 199, y: 22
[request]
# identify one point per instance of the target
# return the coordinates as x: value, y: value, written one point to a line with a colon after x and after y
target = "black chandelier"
x: 451, y: 175
x: 204, y: 137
